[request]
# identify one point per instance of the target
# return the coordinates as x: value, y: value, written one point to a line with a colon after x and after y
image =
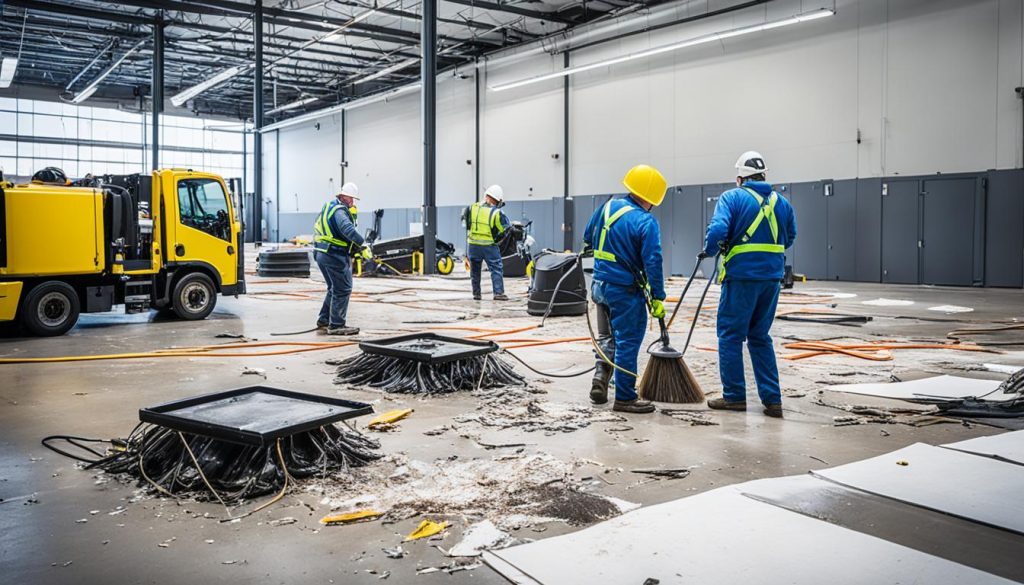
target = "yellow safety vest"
x: 609, y: 219
x: 766, y: 211
x: 322, y: 226
x: 482, y: 220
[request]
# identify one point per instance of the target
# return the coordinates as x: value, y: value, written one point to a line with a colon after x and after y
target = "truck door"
x: 204, y: 232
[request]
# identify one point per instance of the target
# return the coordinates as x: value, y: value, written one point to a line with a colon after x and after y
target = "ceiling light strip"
x: 709, y: 38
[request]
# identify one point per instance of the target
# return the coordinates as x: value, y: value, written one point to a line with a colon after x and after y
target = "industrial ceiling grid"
x: 317, y: 53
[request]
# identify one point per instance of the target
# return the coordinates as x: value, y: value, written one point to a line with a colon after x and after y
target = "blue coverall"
x: 750, y: 291
x: 490, y: 254
x: 335, y: 263
x: 635, y: 241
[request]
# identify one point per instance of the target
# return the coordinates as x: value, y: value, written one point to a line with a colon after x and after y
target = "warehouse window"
x: 203, y: 205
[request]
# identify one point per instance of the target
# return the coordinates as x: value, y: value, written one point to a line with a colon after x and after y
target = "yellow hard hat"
x: 647, y: 183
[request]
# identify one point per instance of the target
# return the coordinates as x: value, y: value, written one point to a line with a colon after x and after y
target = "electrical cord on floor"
x: 73, y: 440
x: 548, y: 374
x: 296, y: 332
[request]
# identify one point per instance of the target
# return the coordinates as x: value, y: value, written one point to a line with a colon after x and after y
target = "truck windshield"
x: 203, y: 205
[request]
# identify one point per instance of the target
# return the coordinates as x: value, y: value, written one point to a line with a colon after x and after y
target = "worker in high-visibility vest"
x: 484, y: 222
x: 628, y: 281
x: 752, y: 227
x: 337, y: 241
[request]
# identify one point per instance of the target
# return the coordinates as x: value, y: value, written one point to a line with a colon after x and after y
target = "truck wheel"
x: 50, y: 309
x: 194, y: 297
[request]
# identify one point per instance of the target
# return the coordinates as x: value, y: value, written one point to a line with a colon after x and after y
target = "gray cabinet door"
x: 582, y: 209
x: 841, y: 201
x: 869, y: 230
x: 947, y: 252
x: 663, y: 213
x: 809, y: 256
x: 709, y: 196
x: 900, y: 231
x: 1004, y: 229
x: 687, y: 228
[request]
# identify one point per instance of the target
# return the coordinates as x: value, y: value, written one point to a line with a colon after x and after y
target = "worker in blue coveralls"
x: 484, y: 223
x: 337, y: 241
x: 626, y: 242
x: 752, y: 228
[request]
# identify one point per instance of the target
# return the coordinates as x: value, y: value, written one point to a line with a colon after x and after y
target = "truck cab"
x: 170, y: 240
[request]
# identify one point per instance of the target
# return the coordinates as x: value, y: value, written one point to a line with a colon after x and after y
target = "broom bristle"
x: 669, y: 380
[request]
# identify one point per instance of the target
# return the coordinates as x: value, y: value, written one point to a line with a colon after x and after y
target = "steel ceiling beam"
x: 499, y: 7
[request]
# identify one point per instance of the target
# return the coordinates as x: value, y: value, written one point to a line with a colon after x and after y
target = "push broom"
x: 667, y: 378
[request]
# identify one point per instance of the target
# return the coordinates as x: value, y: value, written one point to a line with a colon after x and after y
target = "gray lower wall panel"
x: 1004, y: 237
x: 970, y: 225
x: 868, y: 221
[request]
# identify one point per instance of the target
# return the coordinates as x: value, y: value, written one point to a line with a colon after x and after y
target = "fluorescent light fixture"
x: 7, y: 68
x: 179, y: 99
x: 358, y: 103
x: 709, y: 38
x: 90, y: 89
x: 355, y: 20
x: 292, y: 105
x: 387, y: 70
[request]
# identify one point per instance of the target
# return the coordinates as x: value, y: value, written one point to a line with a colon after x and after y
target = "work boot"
x: 501, y: 297
x: 343, y: 330
x: 635, y: 406
x: 773, y: 410
x: 723, y: 404
x: 476, y: 297
x: 599, y: 385
x: 321, y: 327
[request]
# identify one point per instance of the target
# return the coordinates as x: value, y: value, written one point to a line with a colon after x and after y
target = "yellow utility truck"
x: 170, y: 241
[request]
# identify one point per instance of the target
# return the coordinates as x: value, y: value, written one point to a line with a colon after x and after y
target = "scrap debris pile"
x: 512, y: 492
x: 181, y: 464
x: 521, y: 408
x: 427, y: 364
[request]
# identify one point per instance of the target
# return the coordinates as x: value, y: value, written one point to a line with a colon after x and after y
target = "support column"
x: 156, y: 88
x: 476, y: 155
x: 567, y: 209
x: 428, y: 76
x: 257, y: 120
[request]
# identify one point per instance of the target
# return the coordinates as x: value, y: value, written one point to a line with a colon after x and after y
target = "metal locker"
x: 687, y: 229
x: 1004, y: 229
x: 868, y: 224
x: 583, y: 208
x: 663, y: 213
x: 947, y: 242
x: 900, y: 239
x: 841, y: 203
x: 810, y: 255
x: 709, y: 195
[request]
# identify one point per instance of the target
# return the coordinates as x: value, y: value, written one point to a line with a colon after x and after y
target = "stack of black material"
x: 294, y: 263
x: 427, y: 363
x: 240, y: 444
x: 551, y: 271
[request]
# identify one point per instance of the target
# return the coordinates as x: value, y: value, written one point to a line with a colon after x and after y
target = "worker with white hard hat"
x: 337, y: 241
x: 484, y: 222
x: 751, y: 229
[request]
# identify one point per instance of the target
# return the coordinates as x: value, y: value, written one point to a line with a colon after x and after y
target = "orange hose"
x: 508, y: 332
x: 546, y: 342
x: 184, y: 352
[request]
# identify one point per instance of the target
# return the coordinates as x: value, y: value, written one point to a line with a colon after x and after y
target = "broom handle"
x: 664, y: 331
x: 679, y: 303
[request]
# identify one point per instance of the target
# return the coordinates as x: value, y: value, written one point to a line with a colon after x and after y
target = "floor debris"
x: 350, y: 517
x: 388, y: 419
x: 667, y: 473
x: 479, y: 537
x: 519, y: 408
x: 426, y: 529
x: 695, y: 418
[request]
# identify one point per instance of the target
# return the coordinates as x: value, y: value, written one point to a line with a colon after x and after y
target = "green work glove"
x: 657, y: 309
x: 366, y: 253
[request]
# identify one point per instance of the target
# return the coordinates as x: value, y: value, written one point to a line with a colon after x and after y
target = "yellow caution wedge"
x: 389, y: 417
x: 425, y: 529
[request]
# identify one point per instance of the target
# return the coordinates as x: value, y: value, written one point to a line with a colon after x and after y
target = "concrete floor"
x: 44, y: 494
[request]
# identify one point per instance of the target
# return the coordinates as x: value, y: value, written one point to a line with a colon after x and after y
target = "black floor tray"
x: 255, y: 415
x: 458, y: 348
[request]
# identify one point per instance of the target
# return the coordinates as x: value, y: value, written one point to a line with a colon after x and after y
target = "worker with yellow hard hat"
x: 626, y: 241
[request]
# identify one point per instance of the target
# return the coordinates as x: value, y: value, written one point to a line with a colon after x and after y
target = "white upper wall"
x: 925, y: 85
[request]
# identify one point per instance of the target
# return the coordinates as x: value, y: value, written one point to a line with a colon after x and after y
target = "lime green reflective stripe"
x: 764, y: 211
x: 480, y: 221
x: 322, y: 228
x: 609, y: 219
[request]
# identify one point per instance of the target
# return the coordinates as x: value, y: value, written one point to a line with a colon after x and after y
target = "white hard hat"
x: 750, y: 163
x: 350, y: 190
x: 495, y: 192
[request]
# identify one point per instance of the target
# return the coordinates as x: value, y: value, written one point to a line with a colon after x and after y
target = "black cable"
x: 74, y: 441
x: 548, y: 374
x: 296, y: 332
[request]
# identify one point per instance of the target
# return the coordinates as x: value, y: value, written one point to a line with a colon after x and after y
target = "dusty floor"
x: 45, y: 497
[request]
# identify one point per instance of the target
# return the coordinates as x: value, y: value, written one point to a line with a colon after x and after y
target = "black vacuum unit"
x: 241, y: 443
x: 514, y: 246
x: 548, y: 269
x: 293, y: 263
x: 427, y: 363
